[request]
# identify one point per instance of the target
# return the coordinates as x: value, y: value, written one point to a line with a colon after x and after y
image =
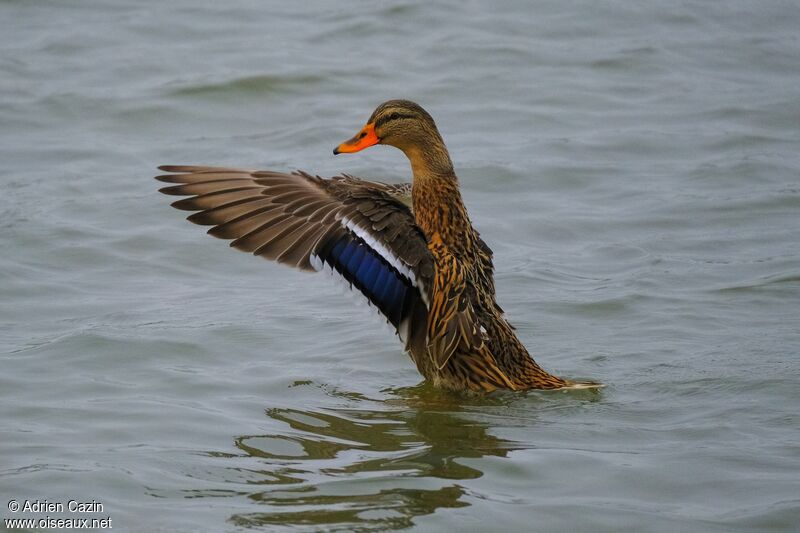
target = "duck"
x: 410, y: 249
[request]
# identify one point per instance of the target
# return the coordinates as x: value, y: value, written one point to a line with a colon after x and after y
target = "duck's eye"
x: 394, y: 116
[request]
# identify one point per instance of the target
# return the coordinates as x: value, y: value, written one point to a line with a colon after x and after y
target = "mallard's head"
x: 399, y: 123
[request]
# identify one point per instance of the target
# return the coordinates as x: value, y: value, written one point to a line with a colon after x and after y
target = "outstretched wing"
x: 353, y: 228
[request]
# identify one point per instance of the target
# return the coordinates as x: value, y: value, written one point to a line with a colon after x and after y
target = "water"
x: 634, y: 167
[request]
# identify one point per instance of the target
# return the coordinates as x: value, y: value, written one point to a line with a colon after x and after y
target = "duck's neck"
x: 438, y: 206
x: 430, y: 159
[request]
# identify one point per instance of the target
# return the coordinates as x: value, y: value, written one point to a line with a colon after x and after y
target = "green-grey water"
x: 634, y: 166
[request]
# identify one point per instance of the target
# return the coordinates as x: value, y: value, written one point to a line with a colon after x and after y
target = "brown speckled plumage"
x: 412, y: 251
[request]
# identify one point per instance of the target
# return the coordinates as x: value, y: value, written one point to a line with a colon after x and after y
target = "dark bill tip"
x: 336, y: 151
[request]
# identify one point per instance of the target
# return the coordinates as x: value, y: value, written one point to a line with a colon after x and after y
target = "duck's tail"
x: 582, y: 385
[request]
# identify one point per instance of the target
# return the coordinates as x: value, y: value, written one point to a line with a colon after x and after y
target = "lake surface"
x: 634, y: 166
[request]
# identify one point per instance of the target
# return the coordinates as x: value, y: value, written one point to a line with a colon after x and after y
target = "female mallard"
x: 410, y: 250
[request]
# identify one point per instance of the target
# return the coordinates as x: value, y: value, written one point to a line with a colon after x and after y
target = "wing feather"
x: 227, y: 212
x: 215, y: 199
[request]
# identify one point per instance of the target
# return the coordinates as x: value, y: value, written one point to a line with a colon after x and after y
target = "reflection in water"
x: 370, y: 464
x: 361, y: 464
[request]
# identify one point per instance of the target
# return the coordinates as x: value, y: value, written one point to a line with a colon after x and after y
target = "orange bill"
x: 363, y: 139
